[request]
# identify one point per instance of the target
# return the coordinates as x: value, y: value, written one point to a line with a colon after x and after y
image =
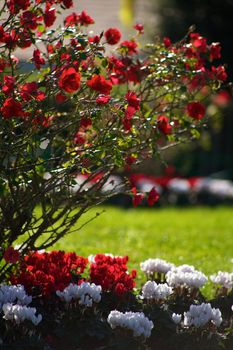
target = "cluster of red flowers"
x: 112, y: 274
x: 45, y: 273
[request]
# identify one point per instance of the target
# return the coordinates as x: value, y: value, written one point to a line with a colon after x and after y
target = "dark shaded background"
x: 214, y: 20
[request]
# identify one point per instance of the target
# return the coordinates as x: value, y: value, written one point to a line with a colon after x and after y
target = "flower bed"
x: 61, y: 300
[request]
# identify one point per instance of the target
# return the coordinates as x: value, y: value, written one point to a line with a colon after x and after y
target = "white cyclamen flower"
x: 135, y: 321
x: 224, y: 279
x: 176, y: 318
x: 14, y: 294
x: 200, y: 315
x: 19, y: 313
x: 153, y: 291
x: 151, y: 266
x: 186, y: 275
x: 86, y: 293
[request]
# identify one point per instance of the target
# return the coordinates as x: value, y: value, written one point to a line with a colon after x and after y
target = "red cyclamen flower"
x: 113, y: 36
x: 196, y: 110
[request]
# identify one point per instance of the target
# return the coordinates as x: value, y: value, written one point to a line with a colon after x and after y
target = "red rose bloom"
x: 152, y: 197
x: 163, y: 125
x: 113, y: 36
x: 69, y: 80
x: 196, y: 110
x: 67, y: 3
x: 49, y: 17
x: 16, y: 5
x: 84, y: 19
x: 215, y: 51
x: 100, y: 84
x: 130, y: 46
x: 167, y: 42
x: 103, y: 99
x: 11, y: 108
x: 11, y: 255
x: 38, y: 60
x: 133, y: 100
x: 140, y: 28
x: 137, y: 197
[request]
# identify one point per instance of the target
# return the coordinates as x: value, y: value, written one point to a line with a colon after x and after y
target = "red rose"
x: 215, y: 51
x: 38, y: 60
x: 67, y: 3
x: 113, y: 36
x: 11, y: 255
x: 133, y: 100
x: 130, y: 46
x: 60, y: 98
x: 69, y: 80
x: 219, y: 73
x: 100, y: 84
x: 163, y: 125
x: 9, y: 83
x: 196, y: 110
x: 152, y: 197
x: 137, y: 197
x: 11, y: 108
x: 49, y: 16
x: 140, y: 28
x: 167, y: 42
x: 84, y: 19
x: 71, y: 20
x: 103, y: 99
x: 16, y: 5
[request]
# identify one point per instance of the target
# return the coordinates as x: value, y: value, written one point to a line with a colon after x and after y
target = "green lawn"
x: 202, y: 236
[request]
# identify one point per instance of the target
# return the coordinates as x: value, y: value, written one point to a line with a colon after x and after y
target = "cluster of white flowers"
x: 151, y: 266
x: 86, y: 293
x: 19, y: 313
x: 135, y: 321
x: 224, y: 279
x: 186, y: 275
x: 153, y: 291
x: 199, y: 315
x: 14, y: 294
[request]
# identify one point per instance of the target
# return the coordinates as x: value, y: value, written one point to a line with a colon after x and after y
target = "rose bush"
x: 77, y: 117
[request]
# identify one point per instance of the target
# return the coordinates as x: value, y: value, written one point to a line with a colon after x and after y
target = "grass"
x: 202, y: 236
